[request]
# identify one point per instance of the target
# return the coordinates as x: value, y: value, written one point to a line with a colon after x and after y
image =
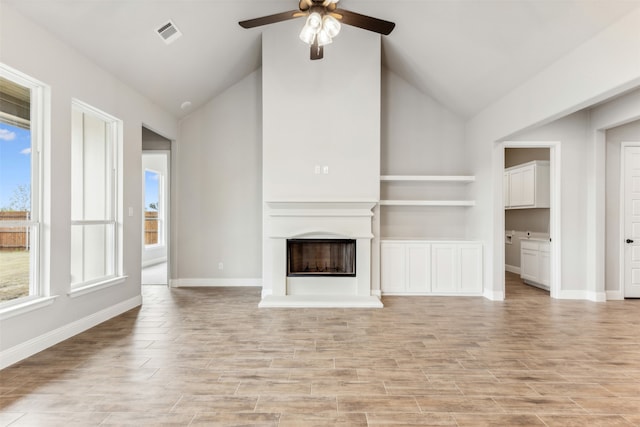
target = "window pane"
x: 15, y: 265
x: 15, y: 172
x: 18, y: 238
x: 92, y: 252
x: 90, y: 168
x: 151, y: 207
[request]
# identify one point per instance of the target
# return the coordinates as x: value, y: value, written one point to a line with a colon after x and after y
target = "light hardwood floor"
x: 211, y: 357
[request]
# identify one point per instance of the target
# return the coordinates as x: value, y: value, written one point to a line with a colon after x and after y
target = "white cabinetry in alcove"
x: 535, y: 262
x: 527, y: 185
x: 431, y: 267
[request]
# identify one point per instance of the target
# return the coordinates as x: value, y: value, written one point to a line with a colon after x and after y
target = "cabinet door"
x: 544, y: 263
x: 522, y: 186
x: 392, y: 267
x: 470, y: 268
x: 444, y: 268
x: 529, y: 264
x: 418, y: 267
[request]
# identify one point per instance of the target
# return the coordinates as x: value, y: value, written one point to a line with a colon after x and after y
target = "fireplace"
x: 318, y: 254
x: 321, y: 257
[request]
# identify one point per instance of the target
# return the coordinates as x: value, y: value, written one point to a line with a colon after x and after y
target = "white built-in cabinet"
x: 422, y: 267
x: 535, y: 262
x: 526, y: 186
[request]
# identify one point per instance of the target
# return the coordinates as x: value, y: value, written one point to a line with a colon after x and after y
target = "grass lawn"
x: 14, y: 274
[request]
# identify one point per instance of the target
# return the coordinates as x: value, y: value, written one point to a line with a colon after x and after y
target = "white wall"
x: 603, y: 67
x: 420, y: 137
x: 28, y: 48
x: 324, y: 112
x: 218, y: 163
x: 572, y: 132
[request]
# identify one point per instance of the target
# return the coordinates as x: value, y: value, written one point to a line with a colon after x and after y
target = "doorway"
x: 630, y: 219
x: 156, y: 193
x: 531, y: 218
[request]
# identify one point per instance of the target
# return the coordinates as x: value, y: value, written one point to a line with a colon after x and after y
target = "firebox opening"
x: 321, y: 257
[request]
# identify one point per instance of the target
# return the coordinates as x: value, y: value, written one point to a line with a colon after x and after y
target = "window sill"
x: 86, y: 289
x: 25, y: 307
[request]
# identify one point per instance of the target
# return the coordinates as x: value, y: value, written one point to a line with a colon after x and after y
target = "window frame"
x: 114, y: 128
x: 39, y: 128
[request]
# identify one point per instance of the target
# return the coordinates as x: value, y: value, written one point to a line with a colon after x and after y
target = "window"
x: 96, y: 217
x: 22, y: 112
x: 153, y: 227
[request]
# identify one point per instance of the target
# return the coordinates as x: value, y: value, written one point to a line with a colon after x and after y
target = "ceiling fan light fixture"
x: 331, y: 25
x: 315, y: 21
x: 323, y: 37
x: 307, y: 34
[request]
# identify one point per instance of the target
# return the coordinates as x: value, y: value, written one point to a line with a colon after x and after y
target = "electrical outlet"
x: 317, y: 170
x: 325, y: 170
x: 220, y: 266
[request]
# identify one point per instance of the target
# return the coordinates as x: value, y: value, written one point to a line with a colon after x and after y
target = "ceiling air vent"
x: 169, y: 32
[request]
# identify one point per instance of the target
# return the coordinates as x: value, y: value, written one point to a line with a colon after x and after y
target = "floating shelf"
x: 427, y: 203
x: 432, y: 178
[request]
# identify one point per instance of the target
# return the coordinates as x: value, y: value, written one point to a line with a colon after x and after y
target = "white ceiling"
x: 464, y: 53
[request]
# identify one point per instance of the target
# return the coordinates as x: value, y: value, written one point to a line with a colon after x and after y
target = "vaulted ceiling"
x: 464, y: 53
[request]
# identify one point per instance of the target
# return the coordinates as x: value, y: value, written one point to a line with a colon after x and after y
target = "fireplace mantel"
x: 316, y: 219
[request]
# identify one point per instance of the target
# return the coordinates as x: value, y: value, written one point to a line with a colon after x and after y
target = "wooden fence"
x: 150, y: 228
x: 14, y: 238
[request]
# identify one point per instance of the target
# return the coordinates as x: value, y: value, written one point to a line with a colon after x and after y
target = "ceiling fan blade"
x: 366, y: 22
x: 317, y: 52
x: 269, y: 19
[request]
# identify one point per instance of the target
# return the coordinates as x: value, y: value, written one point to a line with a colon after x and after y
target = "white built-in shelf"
x: 427, y: 203
x: 433, y: 178
x: 463, y: 179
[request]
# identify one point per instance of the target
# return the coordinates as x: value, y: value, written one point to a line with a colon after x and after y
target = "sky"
x: 15, y: 161
x: 151, y: 188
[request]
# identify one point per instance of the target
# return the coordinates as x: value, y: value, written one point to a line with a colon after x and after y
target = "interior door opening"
x: 156, y: 191
x: 530, y: 218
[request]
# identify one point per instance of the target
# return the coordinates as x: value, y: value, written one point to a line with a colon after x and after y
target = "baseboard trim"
x: 583, y: 295
x: 35, y: 345
x: 214, y: 283
x: 614, y: 295
x: 492, y: 295
x: 512, y: 269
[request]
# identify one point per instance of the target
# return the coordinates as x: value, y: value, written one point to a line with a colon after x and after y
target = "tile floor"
x: 210, y: 357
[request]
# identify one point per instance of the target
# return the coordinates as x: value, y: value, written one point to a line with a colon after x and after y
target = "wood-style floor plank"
x: 210, y: 356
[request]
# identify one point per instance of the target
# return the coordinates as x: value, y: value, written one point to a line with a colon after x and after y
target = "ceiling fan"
x: 323, y: 23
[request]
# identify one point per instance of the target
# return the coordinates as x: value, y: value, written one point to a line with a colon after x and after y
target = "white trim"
x: 29, y: 348
x: 614, y: 295
x: 376, y: 293
x: 427, y: 203
x: 446, y: 178
x: 320, y: 301
x: 214, y: 283
x: 25, y: 306
x: 512, y: 269
x: 87, y: 289
x: 492, y: 295
x: 582, y: 295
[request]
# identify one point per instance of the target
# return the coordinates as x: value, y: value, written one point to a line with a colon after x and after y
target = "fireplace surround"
x: 317, y: 221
